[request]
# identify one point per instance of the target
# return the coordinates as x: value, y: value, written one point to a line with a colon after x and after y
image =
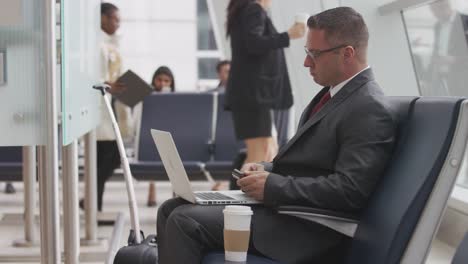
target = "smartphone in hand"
x: 237, y: 174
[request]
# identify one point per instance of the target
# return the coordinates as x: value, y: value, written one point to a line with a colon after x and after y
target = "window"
x: 438, y: 39
x: 208, y: 54
x: 437, y: 34
x: 206, y: 39
x: 207, y: 68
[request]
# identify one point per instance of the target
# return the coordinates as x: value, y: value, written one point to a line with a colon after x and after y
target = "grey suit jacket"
x: 333, y: 162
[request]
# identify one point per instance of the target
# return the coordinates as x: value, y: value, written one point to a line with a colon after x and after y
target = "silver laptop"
x: 179, y: 179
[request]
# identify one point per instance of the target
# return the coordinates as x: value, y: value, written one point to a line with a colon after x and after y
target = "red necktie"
x: 322, y: 102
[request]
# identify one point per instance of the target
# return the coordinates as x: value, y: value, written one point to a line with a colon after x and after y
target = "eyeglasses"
x: 314, y: 54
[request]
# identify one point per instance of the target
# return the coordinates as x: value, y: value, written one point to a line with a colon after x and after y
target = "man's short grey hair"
x: 342, y: 25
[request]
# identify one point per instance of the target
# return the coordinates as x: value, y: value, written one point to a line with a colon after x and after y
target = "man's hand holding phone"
x: 252, y: 167
x: 237, y: 174
x: 251, y: 179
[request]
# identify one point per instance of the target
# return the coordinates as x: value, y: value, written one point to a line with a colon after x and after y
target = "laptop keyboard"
x: 213, y: 196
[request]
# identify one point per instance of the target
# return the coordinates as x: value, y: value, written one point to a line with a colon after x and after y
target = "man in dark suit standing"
x: 344, y: 141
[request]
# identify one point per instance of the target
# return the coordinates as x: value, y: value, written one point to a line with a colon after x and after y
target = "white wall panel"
x: 157, y: 9
x: 389, y: 53
x: 160, y: 32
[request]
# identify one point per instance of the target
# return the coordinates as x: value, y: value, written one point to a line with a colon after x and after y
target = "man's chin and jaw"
x: 308, y: 63
x: 321, y: 78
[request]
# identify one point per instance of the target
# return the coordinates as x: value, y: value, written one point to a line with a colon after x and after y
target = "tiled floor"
x: 11, y: 228
x: 115, y: 200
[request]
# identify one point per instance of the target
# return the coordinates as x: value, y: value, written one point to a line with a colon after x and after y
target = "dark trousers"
x: 108, y: 159
x: 186, y: 232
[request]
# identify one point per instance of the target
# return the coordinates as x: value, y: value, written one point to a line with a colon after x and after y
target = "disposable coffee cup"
x: 301, y: 18
x: 236, y: 232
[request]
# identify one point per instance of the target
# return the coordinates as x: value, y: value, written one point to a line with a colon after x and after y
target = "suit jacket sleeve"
x: 256, y: 41
x: 268, y: 166
x: 366, y: 137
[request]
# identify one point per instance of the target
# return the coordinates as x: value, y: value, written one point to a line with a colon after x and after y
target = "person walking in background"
x: 163, y: 82
x: 108, y: 157
x: 258, y: 80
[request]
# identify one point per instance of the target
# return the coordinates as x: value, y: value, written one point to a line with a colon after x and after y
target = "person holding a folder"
x: 108, y: 157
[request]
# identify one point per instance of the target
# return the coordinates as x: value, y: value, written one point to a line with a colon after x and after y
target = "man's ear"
x: 349, y: 53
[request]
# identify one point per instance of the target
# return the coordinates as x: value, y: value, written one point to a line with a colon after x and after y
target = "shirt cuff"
x: 268, y: 166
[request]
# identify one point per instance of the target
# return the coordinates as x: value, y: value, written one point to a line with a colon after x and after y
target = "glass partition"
x: 22, y: 84
x: 438, y: 35
x: 80, y: 69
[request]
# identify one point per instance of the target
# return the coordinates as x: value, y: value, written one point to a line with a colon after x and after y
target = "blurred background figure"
x: 448, y: 65
x: 163, y: 82
x: 108, y: 157
x: 9, y: 188
x: 222, y: 69
x: 258, y: 80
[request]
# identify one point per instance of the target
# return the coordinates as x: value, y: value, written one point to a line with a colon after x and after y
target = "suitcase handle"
x: 131, y: 237
x: 102, y: 87
x: 134, y: 218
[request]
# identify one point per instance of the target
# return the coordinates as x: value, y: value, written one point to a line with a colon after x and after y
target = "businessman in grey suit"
x: 344, y: 141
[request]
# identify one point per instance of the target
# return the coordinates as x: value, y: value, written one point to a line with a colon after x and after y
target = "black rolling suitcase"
x: 144, y: 252
x: 140, y: 249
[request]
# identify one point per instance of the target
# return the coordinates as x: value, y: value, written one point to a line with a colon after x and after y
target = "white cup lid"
x: 238, y: 209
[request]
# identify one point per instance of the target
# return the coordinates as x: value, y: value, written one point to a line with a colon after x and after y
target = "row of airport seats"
x: 202, y: 130
x: 404, y: 212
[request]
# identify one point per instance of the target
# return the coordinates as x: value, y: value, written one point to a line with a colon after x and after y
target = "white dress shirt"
x: 335, y: 89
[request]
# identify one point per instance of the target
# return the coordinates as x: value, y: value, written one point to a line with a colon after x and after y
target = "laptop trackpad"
x: 238, y: 195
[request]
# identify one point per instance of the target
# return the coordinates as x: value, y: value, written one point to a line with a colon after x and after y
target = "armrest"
x: 344, y: 223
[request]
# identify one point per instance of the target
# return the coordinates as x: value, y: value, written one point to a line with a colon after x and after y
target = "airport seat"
x: 225, y: 145
x: 11, y: 164
x: 461, y: 255
x: 403, y: 214
x: 188, y: 117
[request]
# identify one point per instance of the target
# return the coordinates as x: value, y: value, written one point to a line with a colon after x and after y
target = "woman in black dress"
x: 258, y: 80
